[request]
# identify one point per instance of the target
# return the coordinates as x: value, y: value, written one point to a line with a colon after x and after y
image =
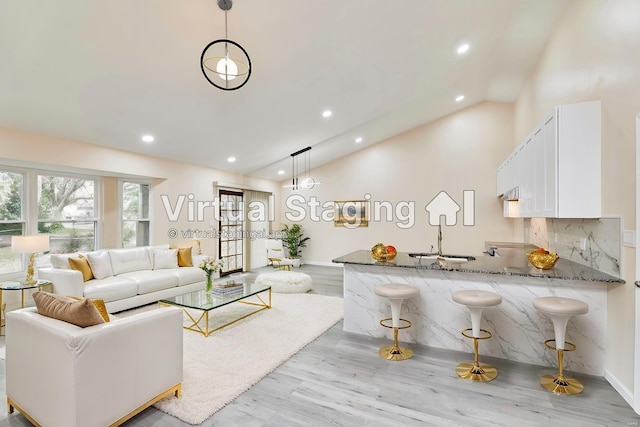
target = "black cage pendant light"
x: 224, y: 63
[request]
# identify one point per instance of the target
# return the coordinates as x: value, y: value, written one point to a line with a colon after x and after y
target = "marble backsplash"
x: 603, y: 239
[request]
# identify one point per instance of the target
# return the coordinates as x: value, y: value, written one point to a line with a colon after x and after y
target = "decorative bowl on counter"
x: 382, y: 253
x: 542, y: 259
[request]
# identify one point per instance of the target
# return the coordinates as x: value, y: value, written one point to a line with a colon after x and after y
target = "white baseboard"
x: 620, y: 388
x: 323, y: 263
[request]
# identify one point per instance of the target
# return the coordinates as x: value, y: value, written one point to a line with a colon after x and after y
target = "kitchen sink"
x: 435, y: 255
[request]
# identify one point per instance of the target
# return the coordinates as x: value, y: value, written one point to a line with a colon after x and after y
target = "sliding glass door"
x: 231, y: 232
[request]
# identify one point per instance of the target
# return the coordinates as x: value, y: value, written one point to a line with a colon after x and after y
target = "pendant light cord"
x: 226, y: 52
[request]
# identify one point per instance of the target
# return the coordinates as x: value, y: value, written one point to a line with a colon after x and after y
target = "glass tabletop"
x: 202, y: 300
x: 11, y: 285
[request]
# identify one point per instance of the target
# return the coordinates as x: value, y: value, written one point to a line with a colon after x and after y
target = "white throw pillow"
x: 61, y: 260
x: 164, y: 246
x: 165, y: 258
x: 100, y: 264
x: 150, y: 250
x: 129, y: 259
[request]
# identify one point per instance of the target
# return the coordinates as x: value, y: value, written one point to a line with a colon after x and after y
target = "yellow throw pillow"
x: 184, y: 257
x: 98, y: 303
x: 82, y: 265
x: 80, y: 313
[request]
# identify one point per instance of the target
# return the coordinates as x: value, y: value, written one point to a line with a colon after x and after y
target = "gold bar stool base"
x: 475, y: 371
x: 395, y: 352
x: 559, y: 384
x: 480, y: 373
x: 563, y: 386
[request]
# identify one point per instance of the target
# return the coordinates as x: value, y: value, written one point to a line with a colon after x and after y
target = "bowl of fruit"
x: 383, y: 253
x: 542, y: 258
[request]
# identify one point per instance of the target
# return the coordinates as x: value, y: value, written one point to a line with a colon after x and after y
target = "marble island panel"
x: 519, y: 331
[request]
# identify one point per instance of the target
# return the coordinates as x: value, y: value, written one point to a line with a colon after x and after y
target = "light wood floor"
x: 340, y: 380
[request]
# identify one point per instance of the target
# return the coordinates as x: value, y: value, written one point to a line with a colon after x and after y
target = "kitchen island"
x: 519, y: 331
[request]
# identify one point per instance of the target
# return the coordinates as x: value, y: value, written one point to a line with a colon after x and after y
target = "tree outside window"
x: 66, y: 211
x: 135, y: 214
x: 11, y: 219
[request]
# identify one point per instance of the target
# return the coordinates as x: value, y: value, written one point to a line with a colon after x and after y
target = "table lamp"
x: 199, y: 247
x: 30, y: 245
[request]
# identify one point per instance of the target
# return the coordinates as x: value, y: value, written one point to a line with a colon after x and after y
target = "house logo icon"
x: 444, y: 205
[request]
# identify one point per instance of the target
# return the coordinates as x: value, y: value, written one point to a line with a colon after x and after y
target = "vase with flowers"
x: 210, y: 266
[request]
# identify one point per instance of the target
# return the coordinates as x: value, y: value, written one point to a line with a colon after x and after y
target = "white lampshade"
x: 30, y: 244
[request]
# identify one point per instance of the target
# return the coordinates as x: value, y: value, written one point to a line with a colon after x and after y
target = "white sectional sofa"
x: 126, y: 278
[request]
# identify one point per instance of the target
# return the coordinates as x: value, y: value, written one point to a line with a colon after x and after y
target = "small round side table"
x: 18, y: 286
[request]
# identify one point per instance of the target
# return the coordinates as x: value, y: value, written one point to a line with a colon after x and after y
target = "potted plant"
x: 294, y: 241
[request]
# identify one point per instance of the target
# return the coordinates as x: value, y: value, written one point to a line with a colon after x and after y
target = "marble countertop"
x: 512, y: 263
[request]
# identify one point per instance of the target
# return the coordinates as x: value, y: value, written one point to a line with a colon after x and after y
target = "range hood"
x: 511, y: 195
x: 509, y: 199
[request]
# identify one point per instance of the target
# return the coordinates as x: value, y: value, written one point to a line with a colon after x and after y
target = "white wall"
x: 456, y: 153
x: 593, y: 54
x: 170, y: 178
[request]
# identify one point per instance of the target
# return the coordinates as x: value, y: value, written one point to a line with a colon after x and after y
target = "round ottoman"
x: 285, y: 282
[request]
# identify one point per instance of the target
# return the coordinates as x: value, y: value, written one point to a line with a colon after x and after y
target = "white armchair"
x: 61, y: 375
x: 276, y: 254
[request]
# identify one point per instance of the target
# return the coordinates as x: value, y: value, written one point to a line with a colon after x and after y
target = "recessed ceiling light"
x: 358, y: 140
x: 459, y: 98
x: 326, y: 113
x: 231, y: 159
x: 463, y: 48
x: 280, y: 172
x: 147, y: 138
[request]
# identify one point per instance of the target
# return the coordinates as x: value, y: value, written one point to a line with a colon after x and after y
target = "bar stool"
x: 476, y: 301
x: 396, y: 293
x: 560, y: 310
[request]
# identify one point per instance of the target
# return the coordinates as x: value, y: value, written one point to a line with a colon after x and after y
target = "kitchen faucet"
x: 439, y: 239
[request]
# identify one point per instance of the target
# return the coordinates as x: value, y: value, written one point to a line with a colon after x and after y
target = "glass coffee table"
x: 205, y: 303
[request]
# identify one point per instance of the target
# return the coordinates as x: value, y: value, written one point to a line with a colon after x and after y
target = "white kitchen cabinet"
x: 501, y: 178
x: 559, y: 165
x: 507, y: 175
x: 538, y: 173
x: 527, y: 178
x: 534, y: 168
x: 579, y: 152
x: 550, y: 162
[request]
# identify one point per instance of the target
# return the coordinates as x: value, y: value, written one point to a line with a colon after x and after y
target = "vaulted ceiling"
x: 107, y: 72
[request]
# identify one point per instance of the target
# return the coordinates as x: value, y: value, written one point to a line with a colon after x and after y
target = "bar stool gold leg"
x: 559, y: 384
x: 475, y: 371
x: 395, y: 352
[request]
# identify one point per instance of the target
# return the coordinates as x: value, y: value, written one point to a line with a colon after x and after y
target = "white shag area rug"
x: 220, y: 367
x: 285, y: 282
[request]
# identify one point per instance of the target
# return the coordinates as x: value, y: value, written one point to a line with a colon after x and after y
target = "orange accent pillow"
x: 184, y: 257
x: 82, y: 265
x: 98, y: 303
